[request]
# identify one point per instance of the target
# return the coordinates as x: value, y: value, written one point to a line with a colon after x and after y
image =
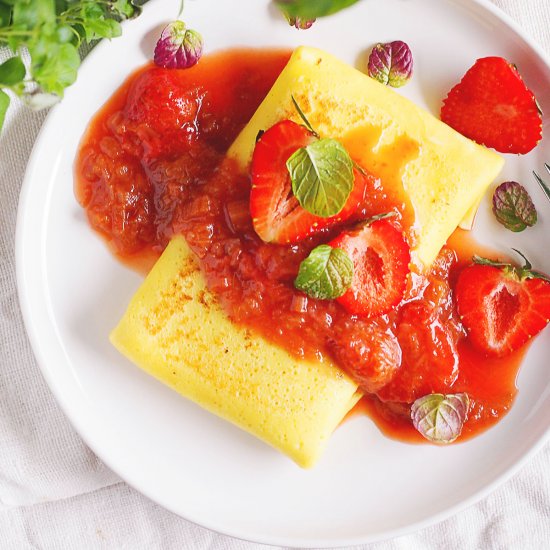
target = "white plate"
x: 366, y: 487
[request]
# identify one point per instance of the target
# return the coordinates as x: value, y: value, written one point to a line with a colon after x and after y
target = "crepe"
x: 441, y: 173
x: 175, y: 330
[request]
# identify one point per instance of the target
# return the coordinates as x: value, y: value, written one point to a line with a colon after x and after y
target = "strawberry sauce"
x: 151, y: 165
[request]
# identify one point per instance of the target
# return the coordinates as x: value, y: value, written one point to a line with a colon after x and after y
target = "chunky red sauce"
x: 152, y: 165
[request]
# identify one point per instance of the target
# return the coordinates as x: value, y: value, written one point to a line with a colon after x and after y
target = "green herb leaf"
x: 326, y: 273
x: 439, y: 418
x: 12, y: 72
x: 101, y: 28
x: 310, y: 9
x: 56, y: 68
x: 52, y: 30
x: 322, y: 177
x: 31, y: 14
x: 513, y: 207
x: 4, y: 104
x: 5, y: 14
x: 126, y: 9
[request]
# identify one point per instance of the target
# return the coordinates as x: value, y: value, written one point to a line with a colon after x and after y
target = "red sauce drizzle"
x: 151, y: 165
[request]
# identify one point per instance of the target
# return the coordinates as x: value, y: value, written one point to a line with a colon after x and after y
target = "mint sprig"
x: 322, y: 177
x: 326, y: 273
x: 440, y: 418
x: 52, y: 31
x: 513, y: 207
x: 322, y: 173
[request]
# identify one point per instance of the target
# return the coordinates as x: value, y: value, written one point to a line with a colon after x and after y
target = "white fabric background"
x: 55, y: 494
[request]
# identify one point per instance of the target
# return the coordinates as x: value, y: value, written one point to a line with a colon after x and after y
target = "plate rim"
x: 79, y: 422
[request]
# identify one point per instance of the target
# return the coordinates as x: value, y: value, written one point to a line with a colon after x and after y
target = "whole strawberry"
x: 502, y: 306
x: 492, y: 106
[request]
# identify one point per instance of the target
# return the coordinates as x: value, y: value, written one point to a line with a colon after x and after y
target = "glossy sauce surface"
x: 152, y: 165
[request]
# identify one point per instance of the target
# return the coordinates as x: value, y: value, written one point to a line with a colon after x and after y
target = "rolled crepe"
x: 440, y: 172
x: 175, y: 330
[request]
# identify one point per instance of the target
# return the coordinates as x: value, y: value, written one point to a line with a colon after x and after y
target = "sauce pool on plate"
x: 152, y: 164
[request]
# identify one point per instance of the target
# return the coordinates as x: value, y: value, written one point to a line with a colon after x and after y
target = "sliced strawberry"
x: 276, y: 213
x: 493, y: 106
x: 381, y: 259
x: 502, y: 307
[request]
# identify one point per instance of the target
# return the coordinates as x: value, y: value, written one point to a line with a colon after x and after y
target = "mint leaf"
x: 326, y: 273
x: 54, y: 67
x: 125, y: 9
x: 391, y: 63
x: 101, y: 28
x: 513, y: 207
x: 12, y: 72
x: 33, y: 13
x: 439, y: 418
x: 178, y: 47
x: 322, y: 177
x: 310, y: 9
x: 5, y: 15
x: 4, y: 104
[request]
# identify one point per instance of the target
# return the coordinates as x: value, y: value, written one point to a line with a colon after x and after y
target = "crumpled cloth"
x: 56, y: 494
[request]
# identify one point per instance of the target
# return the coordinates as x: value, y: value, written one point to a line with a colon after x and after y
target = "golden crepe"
x: 443, y: 174
x: 175, y: 330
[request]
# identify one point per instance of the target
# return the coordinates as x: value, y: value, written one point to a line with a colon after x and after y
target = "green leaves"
x: 326, y: 273
x: 310, y: 9
x: 439, y: 418
x: 5, y: 15
x: 4, y: 104
x: 52, y: 31
x: 322, y: 177
x: 12, y: 72
x: 29, y: 14
x: 513, y: 207
x: 56, y: 68
x: 96, y: 24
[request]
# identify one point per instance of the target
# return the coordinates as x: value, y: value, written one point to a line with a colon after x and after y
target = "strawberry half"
x: 493, y: 106
x: 502, y: 306
x: 276, y: 213
x: 381, y: 259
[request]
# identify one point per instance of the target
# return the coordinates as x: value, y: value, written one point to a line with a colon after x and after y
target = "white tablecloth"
x: 55, y: 494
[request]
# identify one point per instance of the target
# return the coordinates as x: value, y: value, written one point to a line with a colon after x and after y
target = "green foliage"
x: 4, y: 104
x: 311, y: 9
x: 326, y: 273
x: 52, y: 31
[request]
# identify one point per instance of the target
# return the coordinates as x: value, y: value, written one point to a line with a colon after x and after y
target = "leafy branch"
x: 52, y: 32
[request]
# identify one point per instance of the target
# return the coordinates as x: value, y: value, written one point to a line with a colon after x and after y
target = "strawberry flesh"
x: 499, y: 311
x: 493, y: 106
x: 381, y: 259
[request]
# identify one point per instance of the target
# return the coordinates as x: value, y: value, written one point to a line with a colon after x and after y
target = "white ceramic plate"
x: 366, y: 487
